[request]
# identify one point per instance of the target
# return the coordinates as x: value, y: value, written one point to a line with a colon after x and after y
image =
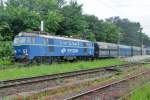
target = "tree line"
x: 65, y: 19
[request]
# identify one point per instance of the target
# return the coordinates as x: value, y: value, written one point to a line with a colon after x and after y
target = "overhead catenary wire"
x: 110, y: 7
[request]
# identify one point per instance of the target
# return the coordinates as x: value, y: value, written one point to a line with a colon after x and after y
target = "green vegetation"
x: 130, y: 32
x: 5, y: 49
x: 55, y: 68
x: 5, y: 62
x: 147, y: 65
x: 5, y: 53
x: 141, y: 93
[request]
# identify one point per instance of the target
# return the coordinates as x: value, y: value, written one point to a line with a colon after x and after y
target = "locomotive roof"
x: 49, y: 36
x: 113, y: 44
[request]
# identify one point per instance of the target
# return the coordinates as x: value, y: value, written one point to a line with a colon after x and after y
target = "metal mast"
x: 1, y: 3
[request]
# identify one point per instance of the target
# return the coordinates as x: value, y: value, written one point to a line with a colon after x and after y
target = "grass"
x: 35, y: 70
x: 141, y: 93
x: 147, y: 65
x: 5, y: 62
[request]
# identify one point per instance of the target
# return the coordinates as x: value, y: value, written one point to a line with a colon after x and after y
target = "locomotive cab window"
x: 30, y: 40
x: 24, y: 40
x: 20, y: 40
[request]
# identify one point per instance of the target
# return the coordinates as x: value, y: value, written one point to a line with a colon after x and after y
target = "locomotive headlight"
x: 14, y: 51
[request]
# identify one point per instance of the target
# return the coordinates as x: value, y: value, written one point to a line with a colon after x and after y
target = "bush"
x: 6, y: 52
x: 5, y: 62
x: 5, y: 49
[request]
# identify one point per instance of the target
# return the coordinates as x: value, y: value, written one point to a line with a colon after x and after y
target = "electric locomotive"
x: 38, y: 47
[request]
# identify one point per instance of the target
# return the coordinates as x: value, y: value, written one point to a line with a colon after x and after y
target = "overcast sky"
x: 134, y: 10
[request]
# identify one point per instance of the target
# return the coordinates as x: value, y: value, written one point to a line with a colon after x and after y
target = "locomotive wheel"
x: 36, y: 60
x: 49, y: 60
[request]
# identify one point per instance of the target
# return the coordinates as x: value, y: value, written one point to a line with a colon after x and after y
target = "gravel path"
x: 136, y: 58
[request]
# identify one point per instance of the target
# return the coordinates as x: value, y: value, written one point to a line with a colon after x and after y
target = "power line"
x: 108, y: 6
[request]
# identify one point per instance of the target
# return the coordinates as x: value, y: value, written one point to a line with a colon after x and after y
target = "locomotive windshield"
x: 24, y: 40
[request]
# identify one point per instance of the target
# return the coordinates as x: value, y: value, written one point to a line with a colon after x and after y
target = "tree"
x: 146, y: 40
x: 131, y: 35
x: 65, y: 19
x: 112, y: 32
x: 73, y: 23
x: 90, y: 36
x: 23, y: 20
x: 27, y: 14
x: 53, y: 20
x: 94, y: 27
x: 103, y: 30
x: 61, y: 3
x: 5, y: 31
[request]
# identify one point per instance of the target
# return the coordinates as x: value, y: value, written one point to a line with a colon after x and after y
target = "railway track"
x: 21, y: 81
x: 10, y: 84
x: 97, y: 93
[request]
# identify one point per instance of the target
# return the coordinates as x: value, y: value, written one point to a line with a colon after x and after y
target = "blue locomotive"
x: 45, y: 48
x: 37, y: 47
